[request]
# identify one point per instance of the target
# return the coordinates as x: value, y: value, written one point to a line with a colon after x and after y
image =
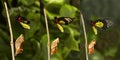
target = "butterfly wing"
x: 95, y: 30
x: 60, y: 27
x: 65, y: 20
x: 24, y: 25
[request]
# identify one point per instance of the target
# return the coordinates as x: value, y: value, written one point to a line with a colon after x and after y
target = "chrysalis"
x: 18, y: 44
x: 91, y: 47
x: 54, y: 46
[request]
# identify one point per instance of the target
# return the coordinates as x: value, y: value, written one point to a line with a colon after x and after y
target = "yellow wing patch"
x: 99, y: 24
x: 62, y: 22
x: 95, y: 30
x: 26, y: 26
x: 60, y: 28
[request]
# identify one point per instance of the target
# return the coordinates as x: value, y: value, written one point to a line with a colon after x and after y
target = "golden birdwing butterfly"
x: 101, y: 24
x: 54, y: 45
x: 18, y: 44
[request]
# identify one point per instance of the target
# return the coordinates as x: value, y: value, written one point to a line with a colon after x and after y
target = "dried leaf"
x: 18, y: 44
x: 91, y: 47
x: 54, y: 46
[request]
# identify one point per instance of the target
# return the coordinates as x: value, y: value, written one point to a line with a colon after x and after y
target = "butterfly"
x: 62, y: 20
x: 101, y: 24
x: 23, y: 21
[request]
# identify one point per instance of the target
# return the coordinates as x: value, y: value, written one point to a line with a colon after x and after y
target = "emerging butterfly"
x: 102, y: 24
x: 62, y: 20
x: 23, y: 21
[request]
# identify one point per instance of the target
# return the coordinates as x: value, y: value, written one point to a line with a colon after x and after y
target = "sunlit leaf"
x: 68, y: 10
x: 18, y: 44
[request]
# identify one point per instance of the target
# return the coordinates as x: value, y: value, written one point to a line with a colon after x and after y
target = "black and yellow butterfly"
x: 23, y: 21
x: 62, y: 20
x: 102, y: 24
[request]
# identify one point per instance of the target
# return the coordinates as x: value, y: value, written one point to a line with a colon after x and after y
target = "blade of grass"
x: 11, y: 33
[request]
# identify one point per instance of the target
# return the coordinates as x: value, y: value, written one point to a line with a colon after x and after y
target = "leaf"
x: 91, y: 46
x: 60, y: 28
x: 95, y: 30
x: 18, y: 44
x: 26, y: 26
x: 68, y: 10
x: 54, y: 46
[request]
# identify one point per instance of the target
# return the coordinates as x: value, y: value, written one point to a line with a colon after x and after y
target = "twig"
x: 48, y: 35
x: 11, y: 34
x: 85, y: 36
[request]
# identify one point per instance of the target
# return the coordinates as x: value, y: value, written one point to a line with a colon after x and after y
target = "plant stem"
x: 48, y: 35
x: 11, y: 34
x: 85, y: 36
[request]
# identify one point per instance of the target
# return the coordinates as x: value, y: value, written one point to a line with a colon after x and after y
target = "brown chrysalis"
x: 54, y: 46
x: 91, y: 47
x: 18, y: 44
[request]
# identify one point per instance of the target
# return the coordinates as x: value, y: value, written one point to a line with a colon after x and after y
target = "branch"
x: 85, y: 36
x: 10, y: 28
x: 48, y: 35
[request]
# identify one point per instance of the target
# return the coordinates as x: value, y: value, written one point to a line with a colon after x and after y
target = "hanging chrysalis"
x: 23, y: 21
x: 101, y: 24
x: 18, y: 44
x: 62, y: 20
x: 54, y: 46
x: 91, y: 47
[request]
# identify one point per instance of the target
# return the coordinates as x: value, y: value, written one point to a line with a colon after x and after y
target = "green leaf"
x: 96, y: 56
x: 55, y: 1
x: 68, y: 10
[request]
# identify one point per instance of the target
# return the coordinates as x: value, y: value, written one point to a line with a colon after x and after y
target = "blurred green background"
x: 71, y: 46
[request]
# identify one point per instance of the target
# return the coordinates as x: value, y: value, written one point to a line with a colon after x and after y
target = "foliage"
x: 69, y: 48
